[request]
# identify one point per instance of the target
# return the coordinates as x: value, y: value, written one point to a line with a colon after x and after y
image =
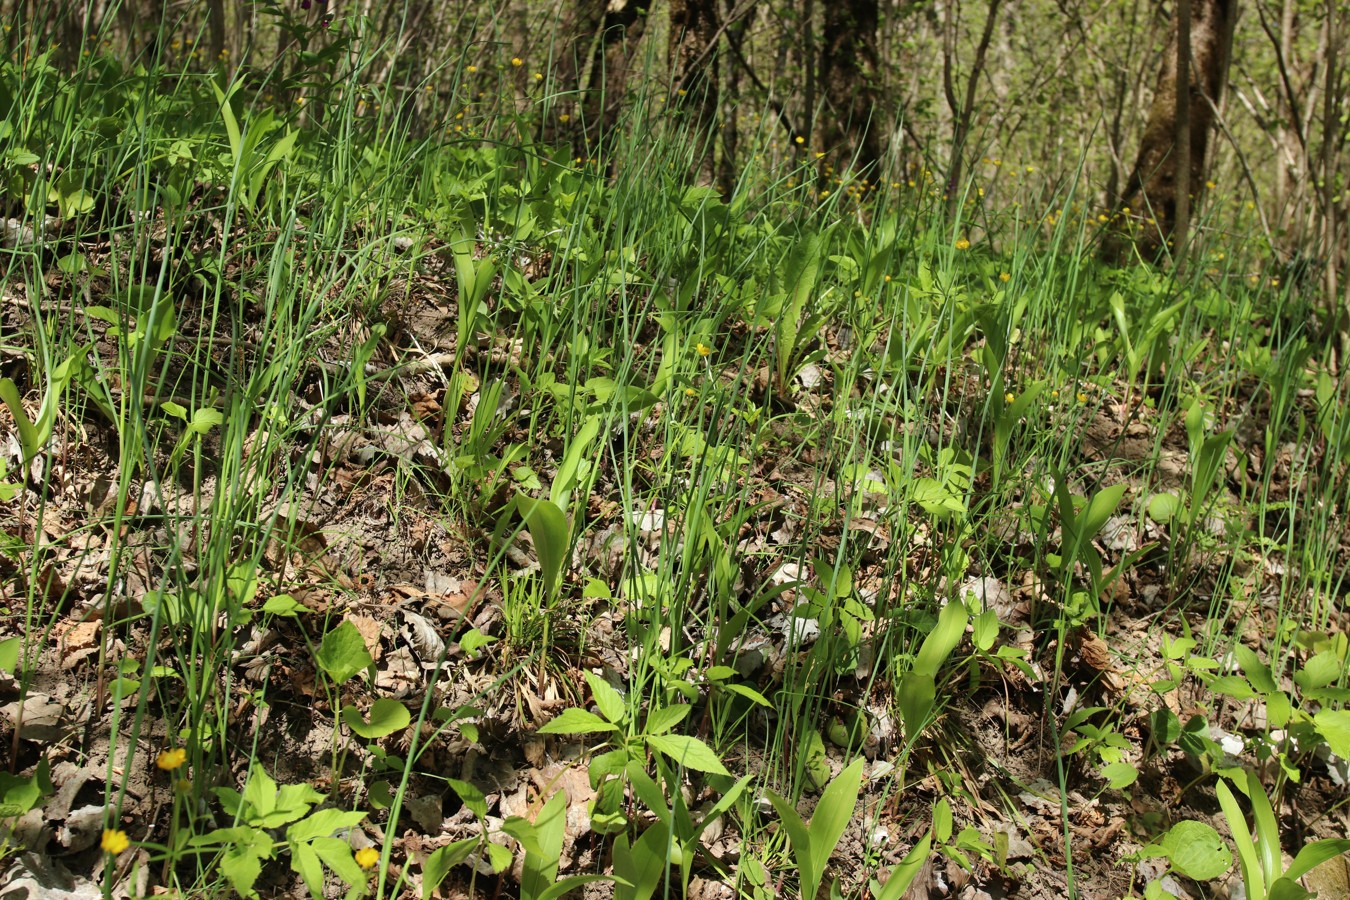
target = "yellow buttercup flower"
x: 367, y: 857
x: 1082, y: 397
x: 171, y: 759
x: 517, y: 61
x: 1004, y: 276
x: 115, y: 841
x: 1008, y: 398
x: 703, y: 349
x: 470, y: 69
x: 963, y: 244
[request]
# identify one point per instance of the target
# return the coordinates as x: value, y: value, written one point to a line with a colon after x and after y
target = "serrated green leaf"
x: 689, y: 752
x: 1334, y: 727
x: 665, y: 718
x: 305, y: 863
x: 609, y: 701
x: 577, y: 721
x: 337, y: 855
x: 323, y: 823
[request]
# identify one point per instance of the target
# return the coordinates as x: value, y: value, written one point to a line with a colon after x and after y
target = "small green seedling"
x: 918, y: 690
x: 1260, y: 859
x: 812, y: 844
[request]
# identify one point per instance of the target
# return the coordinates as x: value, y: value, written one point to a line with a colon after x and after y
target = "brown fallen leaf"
x: 369, y: 630
x: 77, y: 641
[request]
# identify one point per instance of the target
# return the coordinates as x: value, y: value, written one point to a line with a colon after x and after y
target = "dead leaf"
x: 369, y: 630
x: 77, y: 641
x: 38, y: 718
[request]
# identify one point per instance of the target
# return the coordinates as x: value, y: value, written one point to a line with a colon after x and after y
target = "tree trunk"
x: 1160, y: 172
x: 694, y: 76
x: 850, y: 129
x: 593, y: 65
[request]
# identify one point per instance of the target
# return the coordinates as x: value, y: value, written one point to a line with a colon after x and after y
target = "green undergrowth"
x: 809, y: 424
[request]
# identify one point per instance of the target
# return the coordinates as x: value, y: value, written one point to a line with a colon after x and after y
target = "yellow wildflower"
x: 115, y: 841
x: 470, y: 69
x: 171, y: 759
x: 1008, y: 398
x: 703, y: 349
x: 963, y: 244
x: 367, y: 857
x: 517, y: 61
x: 1004, y: 276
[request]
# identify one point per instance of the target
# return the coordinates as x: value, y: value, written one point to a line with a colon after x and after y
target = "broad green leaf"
x: 689, y: 752
x: 441, y: 861
x: 663, y: 719
x: 260, y: 792
x: 917, y: 695
x: 609, y: 701
x: 1100, y: 508
x: 1163, y: 507
x: 942, y: 640
x: 470, y: 796
x: 323, y: 823
x: 1248, y: 861
x: 542, y: 840
x: 343, y: 653
x: 29, y: 438
x: 282, y: 605
x: 942, y: 821
x: 204, y: 419
x: 9, y: 654
x: 834, y: 812
x: 1196, y: 850
x: 241, y: 867
x: 305, y: 863
x: 1267, y: 829
x: 549, y: 529
x: 1314, y: 854
x: 815, y: 764
x: 386, y: 717
x: 643, y: 865
x: 1334, y: 727
x: 1120, y: 775
x: 986, y: 630
x: 799, y: 839
x: 903, y: 873
x: 561, y: 490
x: 336, y: 854
x: 577, y: 721
x: 1257, y: 672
